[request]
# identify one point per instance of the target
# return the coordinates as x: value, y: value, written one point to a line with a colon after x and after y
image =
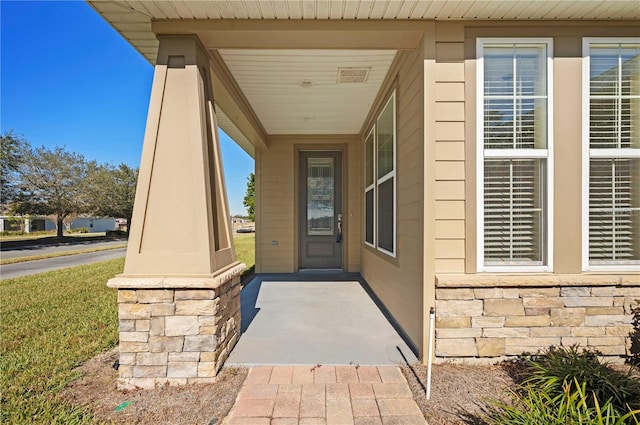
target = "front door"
x: 320, y: 210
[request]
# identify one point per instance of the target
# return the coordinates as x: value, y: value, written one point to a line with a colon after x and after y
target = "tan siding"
x: 353, y: 214
x: 450, y: 170
x: 449, y: 51
x: 449, y: 265
x: 450, y: 151
x: 449, y: 190
x: 449, y: 248
x: 450, y: 111
x: 450, y: 229
x: 276, y: 212
x: 449, y: 131
x: 275, y: 209
x: 398, y: 282
x: 567, y: 124
x: 450, y: 92
x: 450, y: 135
x: 449, y: 72
x: 450, y: 210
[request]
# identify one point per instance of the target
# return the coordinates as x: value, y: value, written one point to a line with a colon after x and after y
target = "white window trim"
x: 391, y: 174
x: 539, y: 153
x: 372, y: 186
x: 378, y: 180
x: 588, y: 153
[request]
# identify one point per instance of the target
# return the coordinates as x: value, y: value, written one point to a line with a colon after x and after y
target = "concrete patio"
x: 315, y: 318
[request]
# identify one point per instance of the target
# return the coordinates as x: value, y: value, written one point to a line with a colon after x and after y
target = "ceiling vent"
x: 353, y: 75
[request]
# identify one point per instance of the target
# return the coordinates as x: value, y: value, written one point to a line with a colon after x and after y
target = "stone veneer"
x: 493, y: 317
x: 175, y: 336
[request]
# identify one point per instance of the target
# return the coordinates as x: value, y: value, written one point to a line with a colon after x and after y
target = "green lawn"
x: 246, y: 250
x: 53, y: 322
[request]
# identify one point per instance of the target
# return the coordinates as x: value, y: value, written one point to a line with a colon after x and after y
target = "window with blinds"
x: 612, y: 153
x: 379, y: 181
x: 514, y: 186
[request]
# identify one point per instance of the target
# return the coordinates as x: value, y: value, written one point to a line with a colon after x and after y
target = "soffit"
x: 298, y: 92
x: 133, y: 19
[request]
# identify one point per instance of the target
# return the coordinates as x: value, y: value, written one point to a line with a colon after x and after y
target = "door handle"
x: 339, y: 237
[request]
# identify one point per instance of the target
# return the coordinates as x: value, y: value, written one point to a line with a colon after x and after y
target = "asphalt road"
x: 36, y: 249
x: 9, y: 271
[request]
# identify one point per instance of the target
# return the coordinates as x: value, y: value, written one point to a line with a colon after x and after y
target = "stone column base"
x: 176, y: 331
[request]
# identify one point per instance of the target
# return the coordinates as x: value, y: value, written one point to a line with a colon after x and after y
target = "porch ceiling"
x: 299, y: 92
x: 270, y: 80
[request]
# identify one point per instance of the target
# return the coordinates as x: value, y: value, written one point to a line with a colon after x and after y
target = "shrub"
x: 552, y: 370
x: 634, y: 356
x: 566, y: 385
x: 574, y: 405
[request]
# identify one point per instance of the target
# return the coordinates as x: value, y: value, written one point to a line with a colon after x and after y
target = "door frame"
x: 318, y: 147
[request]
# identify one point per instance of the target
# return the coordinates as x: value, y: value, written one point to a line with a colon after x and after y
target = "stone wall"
x: 503, y: 320
x: 176, y: 336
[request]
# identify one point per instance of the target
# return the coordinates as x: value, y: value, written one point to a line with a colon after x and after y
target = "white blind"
x: 614, y: 213
x: 515, y: 109
x: 515, y: 97
x: 614, y: 164
x: 513, y: 211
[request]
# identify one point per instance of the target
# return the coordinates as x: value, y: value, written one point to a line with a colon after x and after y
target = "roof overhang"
x: 231, y: 29
x: 133, y: 19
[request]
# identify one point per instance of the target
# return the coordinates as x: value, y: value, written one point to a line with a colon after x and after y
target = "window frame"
x: 588, y: 153
x: 546, y: 154
x: 377, y: 181
x: 371, y: 187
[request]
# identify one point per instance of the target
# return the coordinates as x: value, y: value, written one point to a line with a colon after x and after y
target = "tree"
x: 250, y: 196
x: 52, y: 183
x: 112, y: 190
x: 12, y: 149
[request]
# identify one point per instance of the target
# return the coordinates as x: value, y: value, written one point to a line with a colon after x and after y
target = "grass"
x: 51, y: 323
x: 246, y: 251
x: 58, y: 254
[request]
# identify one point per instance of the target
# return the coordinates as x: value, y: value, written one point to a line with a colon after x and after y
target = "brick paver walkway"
x: 306, y: 395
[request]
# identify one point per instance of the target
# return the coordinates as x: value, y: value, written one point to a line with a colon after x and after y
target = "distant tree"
x: 52, y: 183
x: 12, y: 149
x: 250, y: 196
x: 112, y: 190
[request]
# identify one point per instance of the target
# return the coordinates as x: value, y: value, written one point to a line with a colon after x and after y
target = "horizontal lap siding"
x: 450, y: 149
x: 275, y: 209
x: 398, y: 282
x: 277, y: 206
x: 353, y: 215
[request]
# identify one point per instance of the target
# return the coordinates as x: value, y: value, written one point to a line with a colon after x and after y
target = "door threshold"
x: 320, y: 271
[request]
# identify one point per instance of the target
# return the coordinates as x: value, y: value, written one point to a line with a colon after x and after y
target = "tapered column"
x: 179, y: 297
x: 180, y: 219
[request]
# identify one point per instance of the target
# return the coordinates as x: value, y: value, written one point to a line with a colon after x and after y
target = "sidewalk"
x: 308, y: 395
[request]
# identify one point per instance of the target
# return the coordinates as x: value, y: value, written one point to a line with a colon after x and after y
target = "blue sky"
x: 68, y: 79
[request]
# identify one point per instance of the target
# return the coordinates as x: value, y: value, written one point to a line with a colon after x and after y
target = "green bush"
x: 566, y: 385
x: 560, y: 365
x: 634, y: 335
x: 573, y: 406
